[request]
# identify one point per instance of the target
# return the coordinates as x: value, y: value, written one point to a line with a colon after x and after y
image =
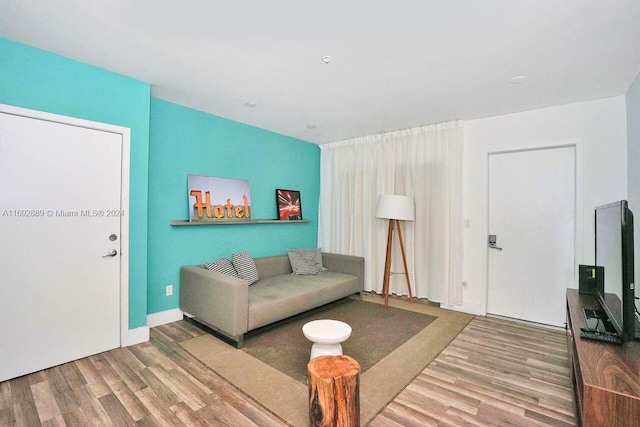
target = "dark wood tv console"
x: 606, y: 377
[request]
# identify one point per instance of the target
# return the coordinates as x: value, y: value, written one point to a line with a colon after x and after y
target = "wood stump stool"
x: 334, y: 391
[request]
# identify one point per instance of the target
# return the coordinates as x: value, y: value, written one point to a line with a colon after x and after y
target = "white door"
x: 532, y: 215
x: 59, y: 205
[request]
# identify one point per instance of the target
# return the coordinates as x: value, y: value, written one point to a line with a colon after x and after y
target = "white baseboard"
x: 163, y: 317
x: 136, y: 336
x: 141, y: 334
x: 466, y: 307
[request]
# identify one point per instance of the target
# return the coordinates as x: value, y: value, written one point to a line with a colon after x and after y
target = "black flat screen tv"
x: 614, y: 252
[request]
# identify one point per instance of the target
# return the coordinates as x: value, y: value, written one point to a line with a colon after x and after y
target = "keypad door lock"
x: 493, y: 242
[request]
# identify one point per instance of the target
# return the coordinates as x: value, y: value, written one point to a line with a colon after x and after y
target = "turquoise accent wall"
x: 168, y: 142
x: 185, y: 141
x: 40, y: 80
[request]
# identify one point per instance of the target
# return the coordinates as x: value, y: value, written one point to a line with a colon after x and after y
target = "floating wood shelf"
x: 179, y: 222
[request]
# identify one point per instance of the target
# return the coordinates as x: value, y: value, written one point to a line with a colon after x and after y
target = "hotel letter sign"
x: 218, y: 199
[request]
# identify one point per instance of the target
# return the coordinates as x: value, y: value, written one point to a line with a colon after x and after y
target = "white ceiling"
x: 395, y: 65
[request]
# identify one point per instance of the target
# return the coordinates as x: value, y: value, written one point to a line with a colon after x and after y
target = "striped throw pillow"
x: 306, y: 261
x: 245, y: 266
x: 223, y: 265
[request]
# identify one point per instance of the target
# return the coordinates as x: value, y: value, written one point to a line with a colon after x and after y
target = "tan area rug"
x: 376, y: 332
x: 287, y: 398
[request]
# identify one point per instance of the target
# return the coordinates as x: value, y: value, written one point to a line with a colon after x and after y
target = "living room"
x: 169, y: 141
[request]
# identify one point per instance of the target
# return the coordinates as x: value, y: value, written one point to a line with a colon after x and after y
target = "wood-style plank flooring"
x: 151, y: 384
x: 494, y: 373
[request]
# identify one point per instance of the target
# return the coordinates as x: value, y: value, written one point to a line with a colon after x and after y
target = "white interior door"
x: 532, y: 215
x: 59, y: 204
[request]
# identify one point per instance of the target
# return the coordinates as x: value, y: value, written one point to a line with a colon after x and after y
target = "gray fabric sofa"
x: 232, y: 308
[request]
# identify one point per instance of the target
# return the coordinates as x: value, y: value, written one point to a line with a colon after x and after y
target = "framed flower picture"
x: 289, y: 205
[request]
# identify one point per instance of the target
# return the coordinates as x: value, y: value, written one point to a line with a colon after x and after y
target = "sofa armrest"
x: 216, y: 300
x: 347, y: 264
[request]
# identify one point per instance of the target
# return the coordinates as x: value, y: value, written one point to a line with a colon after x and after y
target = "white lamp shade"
x: 395, y: 207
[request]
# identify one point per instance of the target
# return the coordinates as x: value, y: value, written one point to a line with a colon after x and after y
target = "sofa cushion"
x: 245, y: 266
x: 272, y: 266
x: 306, y: 261
x: 223, y: 265
x: 278, y: 297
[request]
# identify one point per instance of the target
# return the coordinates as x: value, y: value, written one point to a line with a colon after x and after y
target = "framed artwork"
x: 289, y: 205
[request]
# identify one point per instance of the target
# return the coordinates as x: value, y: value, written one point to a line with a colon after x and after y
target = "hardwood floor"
x: 150, y: 384
x: 495, y: 372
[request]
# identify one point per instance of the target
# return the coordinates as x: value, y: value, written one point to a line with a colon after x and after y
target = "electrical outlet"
x: 169, y: 290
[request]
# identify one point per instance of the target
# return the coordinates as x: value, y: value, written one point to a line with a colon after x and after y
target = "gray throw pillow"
x: 223, y: 265
x: 245, y: 266
x: 306, y: 261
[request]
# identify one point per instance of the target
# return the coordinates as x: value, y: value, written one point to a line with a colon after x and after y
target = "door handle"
x: 492, y: 242
x: 111, y: 253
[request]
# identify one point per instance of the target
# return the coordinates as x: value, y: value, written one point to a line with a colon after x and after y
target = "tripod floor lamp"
x: 395, y: 208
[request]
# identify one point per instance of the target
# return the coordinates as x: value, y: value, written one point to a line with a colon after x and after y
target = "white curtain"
x: 425, y: 163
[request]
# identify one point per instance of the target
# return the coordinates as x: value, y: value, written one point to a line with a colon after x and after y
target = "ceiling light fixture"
x: 326, y: 59
x: 517, y: 80
x: 310, y: 126
x: 250, y: 104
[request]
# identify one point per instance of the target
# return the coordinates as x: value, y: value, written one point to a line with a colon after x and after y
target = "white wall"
x: 598, y: 127
x: 633, y: 163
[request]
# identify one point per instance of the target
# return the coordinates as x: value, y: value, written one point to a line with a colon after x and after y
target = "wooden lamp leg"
x: 404, y: 261
x: 387, y: 265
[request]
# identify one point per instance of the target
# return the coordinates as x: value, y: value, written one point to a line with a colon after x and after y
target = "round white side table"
x: 326, y: 336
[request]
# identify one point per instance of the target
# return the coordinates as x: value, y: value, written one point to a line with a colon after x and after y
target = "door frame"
x: 578, y: 207
x: 125, y: 134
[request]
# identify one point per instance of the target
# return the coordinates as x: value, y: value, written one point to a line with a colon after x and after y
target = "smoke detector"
x: 326, y: 59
